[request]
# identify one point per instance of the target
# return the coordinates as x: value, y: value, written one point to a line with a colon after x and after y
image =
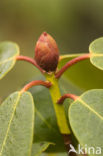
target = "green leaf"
x: 39, y: 148
x: 86, y: 119
x: 8, y: 52
x: 96, y: 51
x: 16, y: 122
x: 83, y: 74
x: 46, y: 129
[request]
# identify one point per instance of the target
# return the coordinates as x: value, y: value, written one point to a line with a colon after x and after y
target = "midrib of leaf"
x: 33, y: 117
x: 43, y: 119
x: 7, y: 60
x: 13, y: 57
x: 96, y: 55
x: 91, y: 109
x: 9, y: 124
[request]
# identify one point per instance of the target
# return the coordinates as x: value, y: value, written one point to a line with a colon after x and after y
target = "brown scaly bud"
x: 47, y: 53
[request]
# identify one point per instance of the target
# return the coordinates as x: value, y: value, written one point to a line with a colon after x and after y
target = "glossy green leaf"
x: 16, y: 122
x: 8, y: 52
x: 96, y: 51
x: 86, y: 119
x: 83, y: 74
x: 39, y: 148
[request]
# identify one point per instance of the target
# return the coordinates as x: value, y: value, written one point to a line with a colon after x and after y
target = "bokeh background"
x: 73, y: 24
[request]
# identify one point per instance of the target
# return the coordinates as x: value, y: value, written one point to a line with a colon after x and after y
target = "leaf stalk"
x: 72, y: 96
x: 30, y: 60
x: 35, y: 83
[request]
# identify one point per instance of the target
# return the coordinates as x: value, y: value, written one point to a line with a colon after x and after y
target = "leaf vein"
x: 7, y: 60
x: 91, y: 109
x: 42, y: 118
x: 9, y: 124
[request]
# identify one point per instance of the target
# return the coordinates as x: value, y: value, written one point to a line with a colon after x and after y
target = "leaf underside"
x: 96, y: 51
x: 86, y: 119
x: 8, y: 52
x: 16, y: 122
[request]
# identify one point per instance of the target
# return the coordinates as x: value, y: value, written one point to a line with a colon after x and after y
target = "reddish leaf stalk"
x: 30, y: 60
x: 72, y: 96
x: 70, y: 63
x: 35, y: 83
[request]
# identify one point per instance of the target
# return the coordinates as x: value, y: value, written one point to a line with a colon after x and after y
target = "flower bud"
x: 47, y: 53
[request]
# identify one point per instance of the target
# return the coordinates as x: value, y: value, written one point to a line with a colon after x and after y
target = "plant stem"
x: 35, y: 83
x: 62, y: 98
x: 70, y: 63
x: 59, y: 109
x: 60, y: 112
x: 68, y: 142
x: 30, y: 60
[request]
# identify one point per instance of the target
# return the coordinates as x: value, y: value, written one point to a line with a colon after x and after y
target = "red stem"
x: 35, y: 83
x: 30, y: 60
x: 70, y: 63
x: 72, y: 96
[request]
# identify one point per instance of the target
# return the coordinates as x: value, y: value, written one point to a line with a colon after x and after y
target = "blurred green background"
x: 73, y: 24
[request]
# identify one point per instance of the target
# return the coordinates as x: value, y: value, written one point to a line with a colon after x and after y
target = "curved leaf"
x: 96, y: 50
x: 86, y: 119
x: 8, y: 52
x: 16, y: 125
